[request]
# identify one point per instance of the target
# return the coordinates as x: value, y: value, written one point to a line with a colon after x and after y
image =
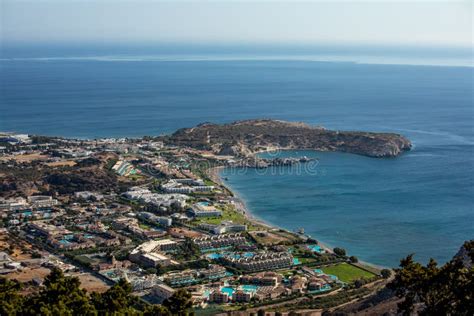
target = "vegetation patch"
x: 347, y: 272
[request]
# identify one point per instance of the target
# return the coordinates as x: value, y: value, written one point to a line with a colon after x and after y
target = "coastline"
x: 214, y: 174
x: 241, y: 206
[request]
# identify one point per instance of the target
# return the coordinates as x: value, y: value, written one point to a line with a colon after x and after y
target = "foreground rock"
x: 244, y: 138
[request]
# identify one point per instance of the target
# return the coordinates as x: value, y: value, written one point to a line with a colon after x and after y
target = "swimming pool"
x: 314, y: 248
x: 250, y: 288
x: 228, y: 290
x: 238, y: 255
x: 324, y: 288
x: 296, y: 261
x: 214, y: 256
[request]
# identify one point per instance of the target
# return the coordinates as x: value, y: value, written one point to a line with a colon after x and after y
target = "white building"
x: 148, y: 253
x: 145, y: 196
x: 160, y: 220
x: 203, y: 209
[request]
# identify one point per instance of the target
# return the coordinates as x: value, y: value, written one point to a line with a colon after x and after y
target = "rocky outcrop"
x: 243, y: 138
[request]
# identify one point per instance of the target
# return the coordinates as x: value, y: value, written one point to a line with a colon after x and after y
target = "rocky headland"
x: 245, y: 138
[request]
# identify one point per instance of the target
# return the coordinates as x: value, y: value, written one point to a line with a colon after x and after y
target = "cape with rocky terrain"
x: 244, y: 138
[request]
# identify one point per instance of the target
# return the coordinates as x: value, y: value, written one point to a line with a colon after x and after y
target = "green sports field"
x: 347, y: 273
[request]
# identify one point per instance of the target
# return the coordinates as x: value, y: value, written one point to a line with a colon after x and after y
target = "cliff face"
x: 246, y: 137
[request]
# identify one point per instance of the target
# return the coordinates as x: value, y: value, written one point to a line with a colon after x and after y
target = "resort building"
x: 203, y: 209
x: 219, y: 297
x: 148, y: 254
x: 224, y: 227
x: 297, y: 284
x: 16, y: 204
x: 181, y: 278
x: 132, y: 225
x: 159, y: 220
x: 214, y: 272
x: 209, y: 242
x: 153, y: 259
x: 188, y: 277
x: 162, y: 291
x: 159, y: 200
x: 42, y: 201
x: 261, y: 262
x: 186, y: 186
x: 31, y: 203
x: 47, y: 230
x: 242, y: 296
x: 268, y: 278
x: 86, y: 195
x: 166, y: 244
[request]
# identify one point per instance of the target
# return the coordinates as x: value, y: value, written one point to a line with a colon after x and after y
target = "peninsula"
x: 243, y: 138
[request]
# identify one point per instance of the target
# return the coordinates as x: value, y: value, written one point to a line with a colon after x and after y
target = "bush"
x: 354, y: 259
x: 386, y: 273
x: 340, y: 251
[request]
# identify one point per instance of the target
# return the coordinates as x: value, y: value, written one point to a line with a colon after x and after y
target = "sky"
x: 443, y: 23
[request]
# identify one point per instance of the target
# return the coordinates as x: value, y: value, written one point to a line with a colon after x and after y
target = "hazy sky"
x: 411, y: 22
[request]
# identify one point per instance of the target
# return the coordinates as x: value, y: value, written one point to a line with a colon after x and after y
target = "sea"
x: 379, y: 210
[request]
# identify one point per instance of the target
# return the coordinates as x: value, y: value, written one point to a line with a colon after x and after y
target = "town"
x: 157, y: 215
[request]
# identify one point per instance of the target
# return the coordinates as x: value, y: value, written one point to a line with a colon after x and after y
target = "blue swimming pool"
x: 228, y: 290
x: 324, y: 288
x: 296, y: 261
x: 249, y: 288
x: 214, y: 256
x: 315, y: 248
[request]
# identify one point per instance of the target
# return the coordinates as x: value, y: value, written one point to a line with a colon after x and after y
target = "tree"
x: 117, y: 299
x: 353, y: 259
x: 433, y: 290
x: 35, y: 255
x: 151, y: 271
x: 179, y: 303
x: 340, y: 251
x: 260, y: 312
x: 156, y: 310
x: 60, y: 296
x: 359, y: 283
x: 10, y: 299
x: 386, y: 273
x: 189, y: 250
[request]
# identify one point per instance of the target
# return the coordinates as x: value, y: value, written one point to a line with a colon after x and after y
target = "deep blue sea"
x: 378, y: 209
